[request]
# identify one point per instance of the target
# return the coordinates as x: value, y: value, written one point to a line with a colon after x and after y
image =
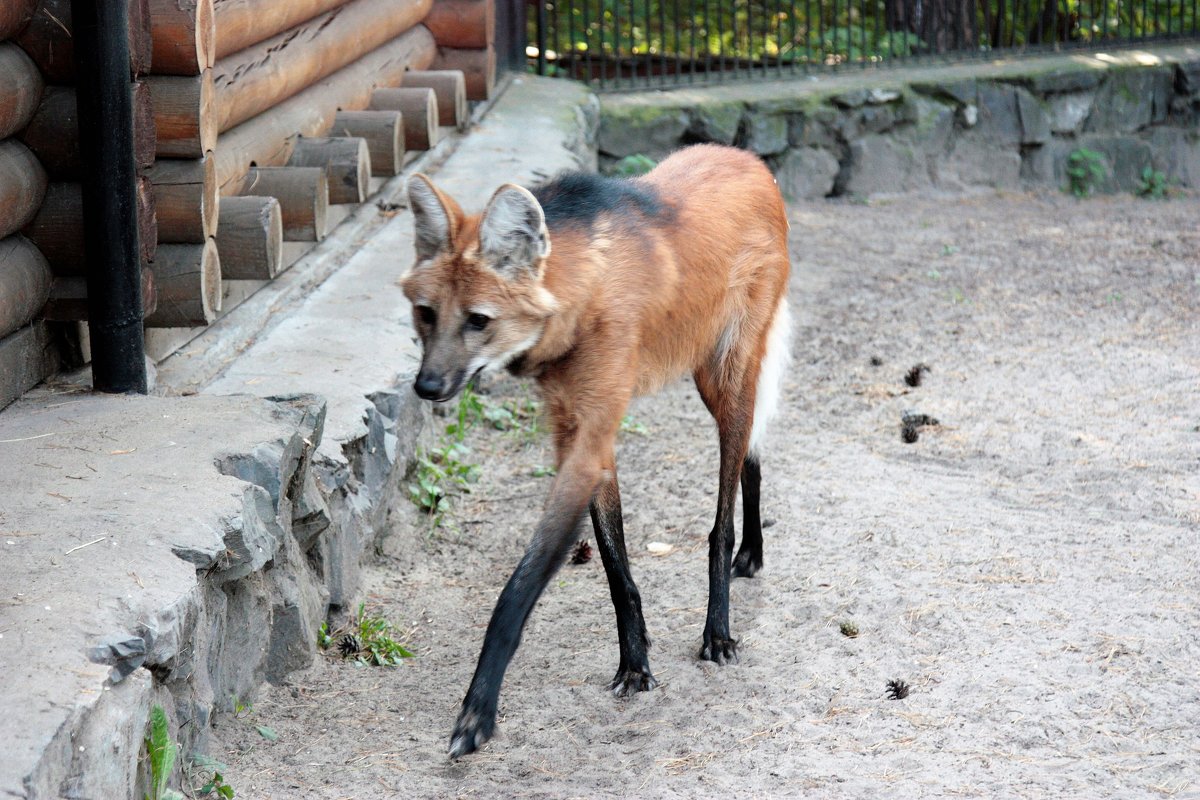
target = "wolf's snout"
x: 430, y: 386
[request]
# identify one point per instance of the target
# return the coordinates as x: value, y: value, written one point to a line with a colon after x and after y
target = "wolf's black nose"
x: 429, y: 386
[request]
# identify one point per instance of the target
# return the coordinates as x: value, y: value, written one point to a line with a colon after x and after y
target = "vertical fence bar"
x: 735, y: 44
x: 541, y: 37
x: 587, y: 41
x: 633, y: 53
x: 778, y: 25
x: 677, y: 51
x: 662, y: 36
x: 570, y: 39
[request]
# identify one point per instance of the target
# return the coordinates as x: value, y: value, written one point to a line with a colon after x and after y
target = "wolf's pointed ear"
x: 435, y: 217
x: 513, y: 236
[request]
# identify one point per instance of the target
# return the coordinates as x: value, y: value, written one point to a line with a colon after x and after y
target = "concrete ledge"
x: 999, y: 124
x: 149, y: 557
x: 182, y: 550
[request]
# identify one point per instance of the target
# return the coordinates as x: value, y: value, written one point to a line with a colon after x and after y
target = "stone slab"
x: 101, y: 494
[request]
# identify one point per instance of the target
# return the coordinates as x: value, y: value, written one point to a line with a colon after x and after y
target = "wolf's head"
x: 476, y: 287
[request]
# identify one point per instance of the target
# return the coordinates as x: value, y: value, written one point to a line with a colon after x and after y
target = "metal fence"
x: 632, y: 44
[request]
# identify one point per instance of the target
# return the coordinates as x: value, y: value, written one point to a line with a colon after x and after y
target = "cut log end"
x: 188, y: 280
x: 250, y: 238
x: 418, y: 109
x: 450, y: 89
x: 24, y: 283
x: 384, y: 135
x: 186, y: 199
x: 183, y: 34
x: 303, y: 195
x: 346, y: 163
x: 477, y: 66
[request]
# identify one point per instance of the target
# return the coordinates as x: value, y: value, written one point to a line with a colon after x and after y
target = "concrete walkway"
x: 180, y: 550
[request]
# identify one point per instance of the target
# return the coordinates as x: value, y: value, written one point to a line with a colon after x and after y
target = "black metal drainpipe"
x: 110, y: 230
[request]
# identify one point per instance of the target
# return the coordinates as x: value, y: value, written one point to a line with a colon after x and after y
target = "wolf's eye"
x: 478, y: 322
x: 427, y: 315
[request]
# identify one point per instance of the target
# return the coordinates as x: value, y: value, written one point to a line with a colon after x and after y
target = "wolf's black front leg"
x: 551, y: 543
x: 633, y: 673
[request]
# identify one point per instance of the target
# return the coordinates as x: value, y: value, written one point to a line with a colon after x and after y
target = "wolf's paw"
x: 470, y: 732
x: 632, y: 681
x: 746, y: 565
x: 719, y: 650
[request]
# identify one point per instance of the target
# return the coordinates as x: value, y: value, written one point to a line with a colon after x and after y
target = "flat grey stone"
x: 999, y: 119
x: 1130, y: 99
x: 647, y: 129
x: 716, y: 122
x: 807, y: 173
x: 959, y: 92
x: 1035, y: 122
x: 766, y: 134
x: 1069, y: 110
x: 883, y: 165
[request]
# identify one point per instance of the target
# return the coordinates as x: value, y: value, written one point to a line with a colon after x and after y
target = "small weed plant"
x: 216, y: 787
x: 208, y: 773
x: 445, y: 469
x: 1153, y: 185
x: 1085, y: 170
x: 161, y: 753
x: 368, y: 640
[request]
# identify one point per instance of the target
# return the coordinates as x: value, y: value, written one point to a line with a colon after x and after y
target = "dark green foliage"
x: 1085, y: 169
x: 1153, y: 185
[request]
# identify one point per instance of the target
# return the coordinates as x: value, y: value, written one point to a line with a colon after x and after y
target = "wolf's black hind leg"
x: 749, y: 558
x: 633, y: 673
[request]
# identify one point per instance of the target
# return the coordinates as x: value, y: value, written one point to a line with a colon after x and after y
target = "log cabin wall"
x: 223, y: 92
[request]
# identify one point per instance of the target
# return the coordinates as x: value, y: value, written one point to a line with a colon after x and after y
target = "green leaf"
x: 267, y: 733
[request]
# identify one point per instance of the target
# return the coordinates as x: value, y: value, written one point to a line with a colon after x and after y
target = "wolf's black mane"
x: 578, y: 198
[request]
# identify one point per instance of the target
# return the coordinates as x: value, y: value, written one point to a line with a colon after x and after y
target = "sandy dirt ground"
x: 1030, y: 567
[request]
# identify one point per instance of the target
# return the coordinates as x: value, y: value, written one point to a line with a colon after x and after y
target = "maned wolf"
x: 601, y: 289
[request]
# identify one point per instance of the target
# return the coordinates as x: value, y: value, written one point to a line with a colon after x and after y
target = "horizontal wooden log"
x: 183, y: 34
x: 24, y: 283
x: 53, y: 132
x: 68, y: 298
x: 250, y: 238
x: 48, y: 40
x: 255, y: 79
x: 346, y: 163
x: 241, y: 23
x: 187, y: 278
x: 27, y: 357
x: 268, y: 139
x: 418, y: 109
x: 303, y: 195
x: 468, y: 24
x: 449, y: 87
x: 184, y: 120
x: 20, y: 89
x: 14, y: 16
x: 22, y: 186
x: 57, y: 228
x: 383, y: 132
x: 186, y: 199
x: 477, y: 66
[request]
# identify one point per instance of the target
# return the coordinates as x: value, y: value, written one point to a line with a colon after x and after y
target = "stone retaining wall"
x: 959, y: 128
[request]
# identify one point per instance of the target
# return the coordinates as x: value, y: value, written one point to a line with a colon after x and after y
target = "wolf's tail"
x: 770, y: 377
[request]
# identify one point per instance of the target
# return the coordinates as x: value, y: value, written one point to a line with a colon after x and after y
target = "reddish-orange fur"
x: 619, y: 308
